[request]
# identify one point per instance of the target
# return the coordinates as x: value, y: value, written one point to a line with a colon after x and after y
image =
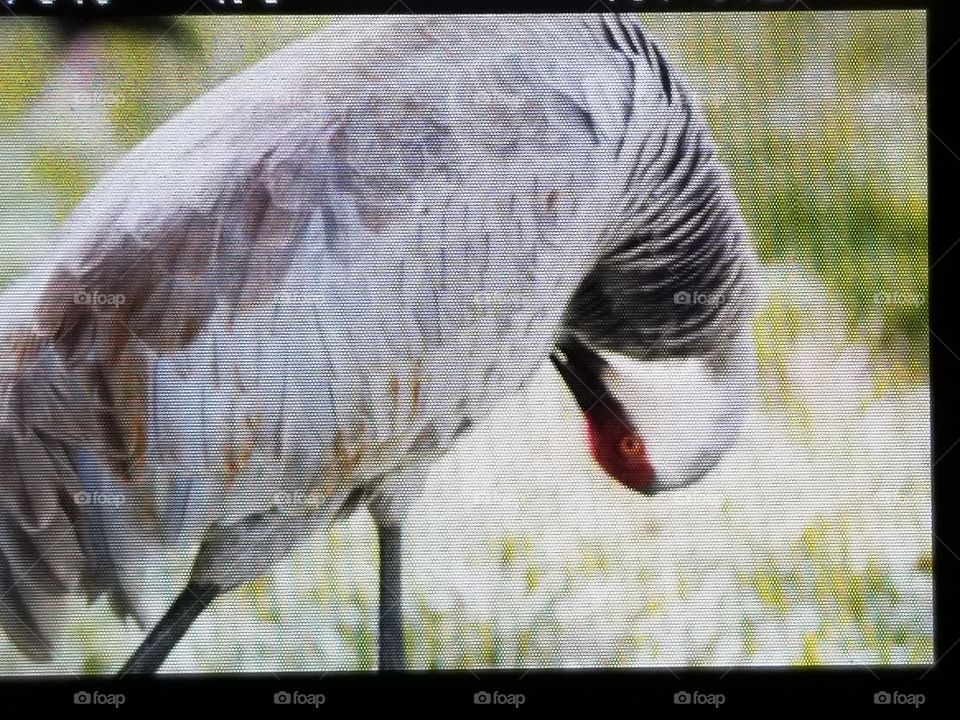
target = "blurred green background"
x: 811, y: 544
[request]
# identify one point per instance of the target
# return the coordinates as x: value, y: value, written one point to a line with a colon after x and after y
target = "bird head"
x: 659, y: 425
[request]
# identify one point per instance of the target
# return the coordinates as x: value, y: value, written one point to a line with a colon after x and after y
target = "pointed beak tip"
x: 579, y: 368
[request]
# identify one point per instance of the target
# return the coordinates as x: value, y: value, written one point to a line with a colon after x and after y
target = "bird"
x: 287, y: 302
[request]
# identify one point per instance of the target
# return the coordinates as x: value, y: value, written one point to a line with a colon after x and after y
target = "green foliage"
x: 25, y: 62
x: 133, y: 66
x: 868, y: 248
x: 856, y: 604
x: 66, y: 176
x: 261, y: 596
x: 777, y: 329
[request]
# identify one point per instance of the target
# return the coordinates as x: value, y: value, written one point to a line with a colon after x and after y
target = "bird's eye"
x: 631, y: 445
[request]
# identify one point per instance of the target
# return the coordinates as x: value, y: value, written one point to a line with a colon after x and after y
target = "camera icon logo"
x: 682, y: 698
x: 482, y: 698
x: 82, y: 698
x: 682, y: 298
x: 882, y: 698
x: 282, y: 698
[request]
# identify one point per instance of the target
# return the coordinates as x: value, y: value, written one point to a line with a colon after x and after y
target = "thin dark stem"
x: 391, y: 611
x: 172, y: 626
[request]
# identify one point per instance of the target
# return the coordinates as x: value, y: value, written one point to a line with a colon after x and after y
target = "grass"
x: 777, y: 332
x: 856, y: 607
x: 67, y: 178
x: 25, y: 64
x: 871, y: 253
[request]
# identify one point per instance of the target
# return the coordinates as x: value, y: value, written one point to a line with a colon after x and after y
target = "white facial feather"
x: 688, y: 411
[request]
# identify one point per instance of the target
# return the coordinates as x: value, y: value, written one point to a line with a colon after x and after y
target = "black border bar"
x: 127, y: 8
x: 638, y: 692
x: 641, y: 692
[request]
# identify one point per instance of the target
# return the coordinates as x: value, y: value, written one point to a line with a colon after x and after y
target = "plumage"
x: 327, y: 268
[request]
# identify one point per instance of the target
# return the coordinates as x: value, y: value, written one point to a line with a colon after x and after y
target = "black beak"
x: 580, y: 368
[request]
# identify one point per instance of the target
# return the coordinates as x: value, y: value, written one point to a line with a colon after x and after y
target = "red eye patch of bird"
x: 614, y: 443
